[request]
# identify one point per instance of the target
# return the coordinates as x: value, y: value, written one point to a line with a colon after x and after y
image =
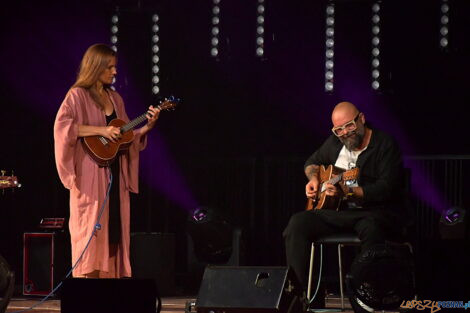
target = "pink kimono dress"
x: 88, y: 183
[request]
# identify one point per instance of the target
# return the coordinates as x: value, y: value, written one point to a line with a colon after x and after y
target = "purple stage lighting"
x: 423, y: 188
x: 453, y: 215
x: 199, y: 214
x: 454, y: 224
x: 211, y: 234
x: 162, y: 173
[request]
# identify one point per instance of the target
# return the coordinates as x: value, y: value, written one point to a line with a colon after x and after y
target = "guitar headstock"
x: 351, y: 174
x: 8, y: 181
x: 169, y: 103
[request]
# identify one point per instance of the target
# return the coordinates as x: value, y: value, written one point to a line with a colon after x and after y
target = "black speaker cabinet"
x: 248, y: 290
x: 80, y: 295
x: 46, y: 259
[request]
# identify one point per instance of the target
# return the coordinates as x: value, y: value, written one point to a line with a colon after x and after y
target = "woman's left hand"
x: 152, y: 116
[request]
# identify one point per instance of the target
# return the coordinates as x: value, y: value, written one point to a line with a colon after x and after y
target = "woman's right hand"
x: 112, y: 133
x: 311, y: 188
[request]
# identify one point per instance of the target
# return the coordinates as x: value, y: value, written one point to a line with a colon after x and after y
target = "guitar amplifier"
x: 46, y: 258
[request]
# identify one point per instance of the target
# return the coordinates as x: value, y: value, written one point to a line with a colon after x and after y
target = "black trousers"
x: 372, y: 227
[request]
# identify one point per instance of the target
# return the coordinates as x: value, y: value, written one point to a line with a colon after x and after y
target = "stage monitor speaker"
x: 80, y: 295
x: 248, y: 290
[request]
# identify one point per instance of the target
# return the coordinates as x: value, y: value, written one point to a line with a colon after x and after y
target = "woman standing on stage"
x: 88, y: 107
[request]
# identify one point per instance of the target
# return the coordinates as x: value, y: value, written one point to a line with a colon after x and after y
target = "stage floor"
x: 169, y: 305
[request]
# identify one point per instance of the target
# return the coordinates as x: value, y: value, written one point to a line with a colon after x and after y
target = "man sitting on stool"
x: 373, y: 203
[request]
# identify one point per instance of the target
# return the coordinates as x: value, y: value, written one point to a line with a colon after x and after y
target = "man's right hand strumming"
x: 311, y: 188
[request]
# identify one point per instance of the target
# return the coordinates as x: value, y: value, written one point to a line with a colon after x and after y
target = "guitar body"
x: 323, y: 201
x: 102, y: 150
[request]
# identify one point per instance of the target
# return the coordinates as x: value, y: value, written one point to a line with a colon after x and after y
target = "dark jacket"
x: 381, y: 173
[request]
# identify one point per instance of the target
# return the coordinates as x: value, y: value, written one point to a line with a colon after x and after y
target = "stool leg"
x: 310, y: 272
x: 340, y: 276
x: 413, y: 275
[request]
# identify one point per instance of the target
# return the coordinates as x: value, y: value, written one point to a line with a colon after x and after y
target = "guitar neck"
x: 332, y: 181
x: 164, y: 106
x: 335, y: 179
x: 134, y: 123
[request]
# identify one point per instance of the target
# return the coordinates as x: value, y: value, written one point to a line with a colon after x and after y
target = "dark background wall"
x: 246, y: 124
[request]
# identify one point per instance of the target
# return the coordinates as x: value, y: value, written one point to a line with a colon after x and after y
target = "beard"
x: 354, y: 139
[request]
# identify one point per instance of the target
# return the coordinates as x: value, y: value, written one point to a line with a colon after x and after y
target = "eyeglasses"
x: 349, y: 126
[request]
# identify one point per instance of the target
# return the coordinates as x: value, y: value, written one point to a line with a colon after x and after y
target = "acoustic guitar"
x: 330, y: 175
x: 104, y: 151
x: 8, y: 181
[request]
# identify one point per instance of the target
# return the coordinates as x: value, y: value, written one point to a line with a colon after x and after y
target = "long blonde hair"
x: 94, y: 62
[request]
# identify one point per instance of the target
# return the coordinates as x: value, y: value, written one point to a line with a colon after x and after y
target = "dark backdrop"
x: 246, y: 124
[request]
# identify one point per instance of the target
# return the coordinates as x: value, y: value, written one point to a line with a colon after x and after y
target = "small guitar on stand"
x: 327, y: 176
x: 8, y: 181
x: 103, y: 151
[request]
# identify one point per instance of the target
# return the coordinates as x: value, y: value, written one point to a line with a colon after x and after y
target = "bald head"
x: 343, y: 112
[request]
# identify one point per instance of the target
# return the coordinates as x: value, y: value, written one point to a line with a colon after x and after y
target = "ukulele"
x: 8, y: 181
x: 104, y: 151
x: 326, y: 176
